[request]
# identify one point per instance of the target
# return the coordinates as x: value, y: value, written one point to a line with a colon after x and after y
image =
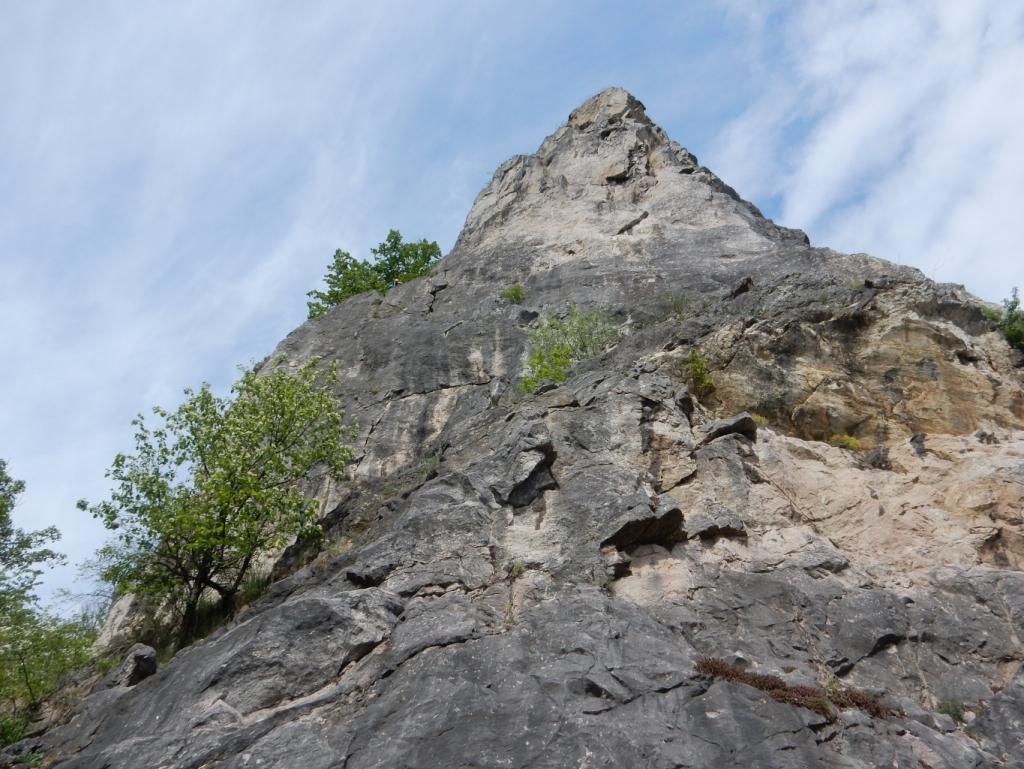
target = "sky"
x: 174, y: 177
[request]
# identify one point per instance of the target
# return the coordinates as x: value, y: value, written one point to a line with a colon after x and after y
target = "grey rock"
x: 139, y: 663
x: 740, y: 425
x: 527, y: 580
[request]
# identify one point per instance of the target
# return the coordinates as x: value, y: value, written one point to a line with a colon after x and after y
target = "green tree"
x: 20, y: 551
x: 36, y: 648
x: 556, y: 343
x: 395, y: 261
x: 217, y: 486
x: 1010, y: 320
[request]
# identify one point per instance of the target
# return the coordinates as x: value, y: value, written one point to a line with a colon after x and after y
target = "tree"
x: 20, y: 551
x: 216, y: 487
x: 556, y: 343
x: 395, y: 261
x: 1010, y: 320
x: 36, y: 648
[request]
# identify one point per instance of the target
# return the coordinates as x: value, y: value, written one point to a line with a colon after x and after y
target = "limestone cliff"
x: 528, y: 581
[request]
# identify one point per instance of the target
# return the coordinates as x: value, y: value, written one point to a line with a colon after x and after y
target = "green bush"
x: 395, y: 261
x: 952, y: 708
x: 1009, y: 320
x: 695, y: 372
x: 670, y: 304
x: 558, y: 343
x: 844, y: 442
x: 515, y: 294
x: 759, y: 420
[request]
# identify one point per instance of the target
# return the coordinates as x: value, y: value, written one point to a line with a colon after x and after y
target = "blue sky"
x: 175, y: 177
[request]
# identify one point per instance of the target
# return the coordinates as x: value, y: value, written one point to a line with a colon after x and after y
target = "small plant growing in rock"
x: 844, y: 442
x: 671, y: 304
x: 759, y: 420
x: 695, y: 373
x: 517, y: 568
x: 1009, y: 320
x: 557, y: 343
x: 821, y: 701
x: 952, y: 708
x: 29, y: 758
x: 515, y: 294
x: 511, y: 617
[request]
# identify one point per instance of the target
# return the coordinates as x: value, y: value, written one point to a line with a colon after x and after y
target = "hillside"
x: 531, y: 580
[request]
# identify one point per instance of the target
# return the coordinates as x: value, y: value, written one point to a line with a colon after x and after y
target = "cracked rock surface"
x: 527, y: 581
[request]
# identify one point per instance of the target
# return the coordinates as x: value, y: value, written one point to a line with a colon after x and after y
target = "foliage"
x: 20, y: 551
x: 695, y: 372
x: 670, y: 304
x: 516, y: 294
x: 395, y: 261
x: 1009, y: 320
x: 759, y: 420
x: 216, y: 487
x: 952, y: 708
x: 36, y: 649
x: 821, y: 701
x: 844, y: 442
x: 555, y: 344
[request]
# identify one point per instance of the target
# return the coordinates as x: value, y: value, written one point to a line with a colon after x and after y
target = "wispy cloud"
x: 891, y: 128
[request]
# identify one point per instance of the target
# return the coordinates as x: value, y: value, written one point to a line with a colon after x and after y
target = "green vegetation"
x: 558, y: 343
x: 36, y: 648
x: 695, y: 374
x: 844, y: 442
x: 515, y: 294
x: 395, y: 261
x: 215, y: 487
x: 671, y: 304
x: 759, y: 420
x: 1009, y: 320
x: 952, y: 708
x: 821, y: 701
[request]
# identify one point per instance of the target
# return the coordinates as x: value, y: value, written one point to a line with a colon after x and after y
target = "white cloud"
x: 891, y: 128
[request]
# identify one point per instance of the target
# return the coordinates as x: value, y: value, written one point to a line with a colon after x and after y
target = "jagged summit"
x: 612, y: 105
x: 610, y: 183
x: 530, y: 581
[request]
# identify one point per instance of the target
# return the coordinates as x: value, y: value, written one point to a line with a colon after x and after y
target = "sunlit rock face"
x: 527, y: 580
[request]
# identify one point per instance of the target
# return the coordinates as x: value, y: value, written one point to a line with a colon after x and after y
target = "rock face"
x: 528, y: 581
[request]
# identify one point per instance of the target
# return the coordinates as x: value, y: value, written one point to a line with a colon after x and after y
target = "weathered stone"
x: 139, y: 663
x: 527, y: 580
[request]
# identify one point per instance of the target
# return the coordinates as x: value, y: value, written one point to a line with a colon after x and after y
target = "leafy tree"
x: 216, y: 487
x: 395, y: 261
x: 557, y: 343
x: 36, y: 648
x: 1010, y: 320
x: 20, y: 551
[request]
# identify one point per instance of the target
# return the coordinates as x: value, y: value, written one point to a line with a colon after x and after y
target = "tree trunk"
x: 188, y: 623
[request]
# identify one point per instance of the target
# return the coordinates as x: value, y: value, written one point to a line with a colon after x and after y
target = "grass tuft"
x: 844, y: 442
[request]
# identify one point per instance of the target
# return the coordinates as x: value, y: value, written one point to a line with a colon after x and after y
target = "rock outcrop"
x: 528, y: 581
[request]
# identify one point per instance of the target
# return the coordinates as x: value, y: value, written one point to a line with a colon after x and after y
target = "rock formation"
x: 528, y: 581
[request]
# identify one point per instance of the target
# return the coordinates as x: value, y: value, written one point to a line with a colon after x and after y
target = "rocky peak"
x: 612, y: 106
x: 553, y: 579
